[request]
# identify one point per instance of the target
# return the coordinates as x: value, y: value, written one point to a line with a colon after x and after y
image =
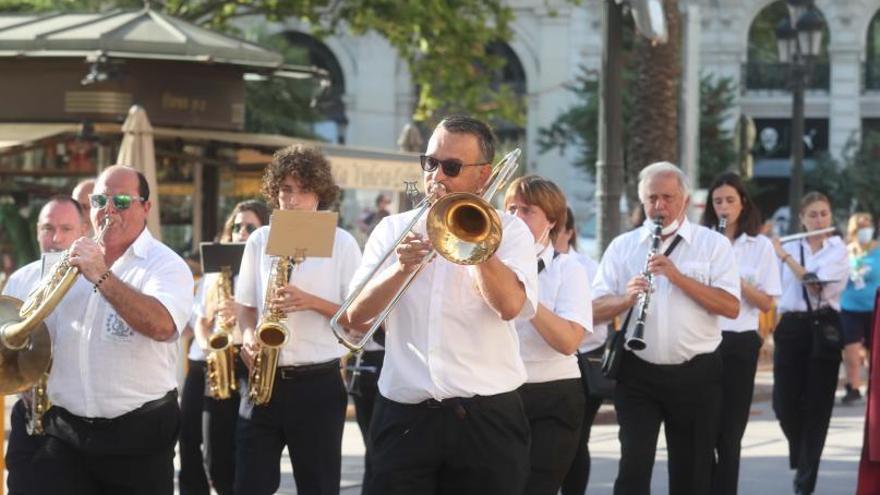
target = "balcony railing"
x: 775, y: 76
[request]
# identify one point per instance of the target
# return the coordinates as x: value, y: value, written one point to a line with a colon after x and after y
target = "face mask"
x: 541, y: 241
x: 669, y: 229
x: 865, y: 234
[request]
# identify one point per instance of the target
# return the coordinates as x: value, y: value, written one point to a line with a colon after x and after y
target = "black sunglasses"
x: 120, y: 201
x: 249, y: 227
x: 451, y: 167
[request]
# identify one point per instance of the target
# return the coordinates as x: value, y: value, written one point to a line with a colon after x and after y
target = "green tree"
x: 442, y: 41
x: 577, y: 126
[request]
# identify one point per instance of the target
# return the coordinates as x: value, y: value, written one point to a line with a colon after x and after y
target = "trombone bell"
x: 19, y: 369
x: 464, y: 228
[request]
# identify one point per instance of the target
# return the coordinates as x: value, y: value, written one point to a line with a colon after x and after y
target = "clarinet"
x: 637, y: 341
x: 722, y: 225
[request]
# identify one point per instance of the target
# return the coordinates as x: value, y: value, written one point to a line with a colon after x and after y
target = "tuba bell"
x: 270, y: 335
x: 220, y: 361
x: 25, y: 346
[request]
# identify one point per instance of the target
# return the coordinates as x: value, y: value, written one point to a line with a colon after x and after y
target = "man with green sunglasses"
x: 114, y: 420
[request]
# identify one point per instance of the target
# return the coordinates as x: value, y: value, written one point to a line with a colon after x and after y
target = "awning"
x: 353, y: 168
x: 12, y: 135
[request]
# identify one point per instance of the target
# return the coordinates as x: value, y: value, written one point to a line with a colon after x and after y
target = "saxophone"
x: 221, y: 353
x: 270, y: 335
x: 39, y: 405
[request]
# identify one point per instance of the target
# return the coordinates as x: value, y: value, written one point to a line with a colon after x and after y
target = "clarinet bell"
x: 636, y: 344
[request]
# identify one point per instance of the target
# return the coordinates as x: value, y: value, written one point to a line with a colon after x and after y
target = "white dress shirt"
x: 311, y: 340
x: 830, y: 262
x: 595, y: 339
x: 677, y: 328
x: 23, y: 280
x: 101, y: 367
x: 759, y: 266
x: 443, y: 339
x: 564, y: 289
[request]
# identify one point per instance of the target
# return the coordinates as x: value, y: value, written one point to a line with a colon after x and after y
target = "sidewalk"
x: 764, y: 468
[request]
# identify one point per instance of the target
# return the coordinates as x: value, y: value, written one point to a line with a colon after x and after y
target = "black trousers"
x: 306, y: 414
x: 478, y: 446
x: 739, y: 356
x: 685, y: 398
x: 364, y: 402
x: 131, y: 454
x: 219, y: 421
x: 192, y: 479
x: 803, y: 396
x: 20, y: 452
x: 578, y: 476
x: 556, y: 414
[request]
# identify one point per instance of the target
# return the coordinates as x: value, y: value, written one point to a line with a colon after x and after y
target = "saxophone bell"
x: 220, y: 361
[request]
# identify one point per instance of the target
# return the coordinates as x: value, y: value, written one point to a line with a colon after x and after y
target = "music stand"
x: 216, y: 256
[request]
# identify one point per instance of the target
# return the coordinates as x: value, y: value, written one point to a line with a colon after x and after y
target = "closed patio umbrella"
x: 137, y: 152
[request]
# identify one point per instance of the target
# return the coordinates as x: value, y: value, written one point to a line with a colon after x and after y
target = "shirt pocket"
x: 114, y: 329
x: 697, y: 270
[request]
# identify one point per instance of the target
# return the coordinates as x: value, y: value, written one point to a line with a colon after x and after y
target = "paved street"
x: 764, y: 462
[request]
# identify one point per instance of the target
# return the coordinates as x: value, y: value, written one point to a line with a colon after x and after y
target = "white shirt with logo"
x: 102, y: 368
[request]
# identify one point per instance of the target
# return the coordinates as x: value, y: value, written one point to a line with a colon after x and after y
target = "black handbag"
x: 825, y: 327
x: 613, y: 354
x: 596, y: 384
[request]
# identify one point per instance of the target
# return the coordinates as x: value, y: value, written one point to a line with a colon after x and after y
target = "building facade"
x: 553, y: 40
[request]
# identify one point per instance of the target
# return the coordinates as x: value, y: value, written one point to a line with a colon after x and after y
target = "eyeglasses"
x: 120, y: 201
x: 249, y: 227
x: 451, y: 167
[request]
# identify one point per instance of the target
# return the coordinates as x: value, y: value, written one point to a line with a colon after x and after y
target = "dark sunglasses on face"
x: 451, y: 167
x: 120, y: 201
x: 249, y: 227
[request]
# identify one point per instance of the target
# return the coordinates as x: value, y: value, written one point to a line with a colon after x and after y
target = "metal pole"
x: 796, y: 186
x: 609, y: 159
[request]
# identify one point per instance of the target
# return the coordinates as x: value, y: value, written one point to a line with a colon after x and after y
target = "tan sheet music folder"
x: 302, y: 233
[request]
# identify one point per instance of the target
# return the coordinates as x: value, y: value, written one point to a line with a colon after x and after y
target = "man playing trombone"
x: 676, y: 378
x: 114, y: 420
x: 448, y: 419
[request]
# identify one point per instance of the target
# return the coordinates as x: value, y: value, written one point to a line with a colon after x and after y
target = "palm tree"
x: 653, y: 128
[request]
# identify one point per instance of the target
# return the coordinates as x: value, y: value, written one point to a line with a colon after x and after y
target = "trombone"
x: 464, y: 228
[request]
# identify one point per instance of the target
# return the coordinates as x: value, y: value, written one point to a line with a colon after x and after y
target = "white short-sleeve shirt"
x: 595, y: 339
x: 677, y: 328
x: 101, y: 367
x: 759, y: 266
x: 311, y: 339
x: 830, y: 263
x: 23, y: 280
x: 564, y: 289
x: 443, y: 339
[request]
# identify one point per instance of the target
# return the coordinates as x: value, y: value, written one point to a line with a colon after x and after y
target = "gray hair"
x: 662, y: 168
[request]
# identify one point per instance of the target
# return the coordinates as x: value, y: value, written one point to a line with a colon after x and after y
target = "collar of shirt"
x: 546, y: 254
x: 141, y: 245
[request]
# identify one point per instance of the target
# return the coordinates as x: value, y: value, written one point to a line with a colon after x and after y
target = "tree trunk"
x: 653, y: 128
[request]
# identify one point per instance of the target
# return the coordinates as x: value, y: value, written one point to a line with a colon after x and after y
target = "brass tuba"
x: 271, y: 335
x: 220, y: 361
x: 25, y: 346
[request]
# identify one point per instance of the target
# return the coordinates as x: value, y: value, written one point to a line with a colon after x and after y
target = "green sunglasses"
x: 120, y: 201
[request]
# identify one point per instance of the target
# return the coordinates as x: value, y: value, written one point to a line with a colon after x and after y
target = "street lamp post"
x: 799, y: 40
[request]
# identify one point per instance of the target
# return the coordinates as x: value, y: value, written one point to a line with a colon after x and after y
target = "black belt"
x: 291, y: 372
x: 144, y: 409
